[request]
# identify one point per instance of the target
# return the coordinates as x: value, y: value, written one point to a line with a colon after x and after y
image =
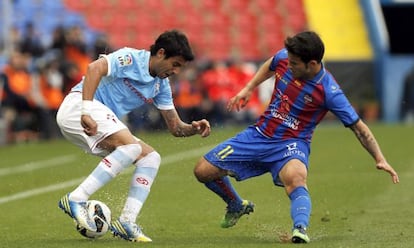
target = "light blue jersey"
x: 128, y: 84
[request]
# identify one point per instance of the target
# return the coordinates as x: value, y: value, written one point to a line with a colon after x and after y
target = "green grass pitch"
x: 354, y: 205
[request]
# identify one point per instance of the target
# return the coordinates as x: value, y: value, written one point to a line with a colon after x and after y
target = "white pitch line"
x: 36, y: 165
x: 38, y: 191
x: 29, y: 193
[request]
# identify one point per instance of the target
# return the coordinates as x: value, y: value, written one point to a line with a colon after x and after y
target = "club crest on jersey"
x: 125, y: 60
x: 285, y: 103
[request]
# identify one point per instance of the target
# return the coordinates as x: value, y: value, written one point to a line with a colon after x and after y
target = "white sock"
x: 142, y: 179
x: 109, y: 167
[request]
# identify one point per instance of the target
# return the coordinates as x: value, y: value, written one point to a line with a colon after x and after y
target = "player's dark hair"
x: 175, y: 43
x: 306, y: 45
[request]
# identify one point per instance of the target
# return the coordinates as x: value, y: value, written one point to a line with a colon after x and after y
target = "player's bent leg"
x: 146, y: 170
x: 110, y: 166
x: 205, y: 172
x: 142, y: 179
x: 216, y: 180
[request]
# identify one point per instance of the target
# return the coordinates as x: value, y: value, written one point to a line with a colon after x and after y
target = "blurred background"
x: 46, y: 45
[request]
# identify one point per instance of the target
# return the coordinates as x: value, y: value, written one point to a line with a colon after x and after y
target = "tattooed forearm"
x: 183, y: 130
x: 367, y: 139
x: 176, y: 126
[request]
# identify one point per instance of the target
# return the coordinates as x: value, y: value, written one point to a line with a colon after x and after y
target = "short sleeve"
x: 282, y: 54
x: 339, y: 105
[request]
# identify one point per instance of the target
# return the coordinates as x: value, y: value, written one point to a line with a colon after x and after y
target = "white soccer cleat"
x: 77, y: 211
x: 129, y: 231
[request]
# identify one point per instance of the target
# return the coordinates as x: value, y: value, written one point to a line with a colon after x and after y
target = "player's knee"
x: 298, y: 182
x: 199, y: 176
x: 130, y: 150
x: 121, y: 158
x: 155, y: 157
x: 202, y: 172
x: 152, y: 159
x: 197, y: 170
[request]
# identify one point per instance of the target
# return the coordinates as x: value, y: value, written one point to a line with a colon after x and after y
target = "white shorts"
x: 69, y: 121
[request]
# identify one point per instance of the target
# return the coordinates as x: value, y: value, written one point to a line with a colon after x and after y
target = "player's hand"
x: 89, y: 125
x: 202, y: 127
x: 240, y: 100
x: 386, y: 167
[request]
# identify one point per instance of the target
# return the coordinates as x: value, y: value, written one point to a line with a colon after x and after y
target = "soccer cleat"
x: 77, y: 211
x: 129, y: 231
x: 299, y: 235
x: 230, y: 218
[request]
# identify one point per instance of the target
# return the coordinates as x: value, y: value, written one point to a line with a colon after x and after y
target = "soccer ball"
x: 101, y: 214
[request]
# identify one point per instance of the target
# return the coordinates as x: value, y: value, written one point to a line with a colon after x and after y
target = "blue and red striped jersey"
x: 297, y: 106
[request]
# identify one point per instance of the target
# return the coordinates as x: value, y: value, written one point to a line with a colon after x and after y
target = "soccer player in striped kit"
x: 279, y: 142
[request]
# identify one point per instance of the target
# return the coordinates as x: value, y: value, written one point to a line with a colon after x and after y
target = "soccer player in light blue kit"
x: 279, y: 142
x: 90, y: 117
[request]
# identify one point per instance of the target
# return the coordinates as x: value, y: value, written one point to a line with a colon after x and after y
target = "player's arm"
x: 261, y: 75
x: 368, y: 141
x: 95, y: 71
x: 242, y: 98
x: 178, y: 128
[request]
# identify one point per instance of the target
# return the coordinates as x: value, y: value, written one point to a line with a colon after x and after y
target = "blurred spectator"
x: 31, y: 99
x: 69, y: 65
x: 3, y: 119
x: 58, y: 39
x: 219, y: 86
x: 242, y: 72
x: 48, y: 82
x: 71, y: 76
x: 19, y: 106
x: 15, y: 38
x: 187, y: 94
x: 30, y: 42
x: 221, y: 82
x: 75, y: 49
x: 101, y: 46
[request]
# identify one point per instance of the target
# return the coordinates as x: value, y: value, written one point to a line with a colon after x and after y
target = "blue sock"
x: 300, y: 207
x: 225, y: 190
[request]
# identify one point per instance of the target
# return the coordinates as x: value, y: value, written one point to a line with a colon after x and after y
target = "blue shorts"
x: 250, y: 154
